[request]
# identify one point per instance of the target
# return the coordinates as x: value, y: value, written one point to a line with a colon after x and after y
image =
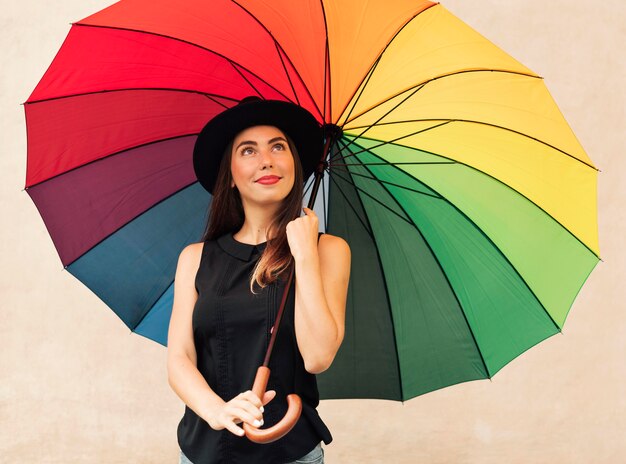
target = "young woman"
x: 254, y: 158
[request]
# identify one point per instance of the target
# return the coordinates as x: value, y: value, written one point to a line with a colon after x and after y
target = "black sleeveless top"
x: 231, y: 330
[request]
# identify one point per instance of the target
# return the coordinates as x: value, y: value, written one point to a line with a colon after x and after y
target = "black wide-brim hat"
x: 298, y: 123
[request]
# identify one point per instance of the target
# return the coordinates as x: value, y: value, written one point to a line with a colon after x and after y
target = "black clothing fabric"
x: 231, y: 330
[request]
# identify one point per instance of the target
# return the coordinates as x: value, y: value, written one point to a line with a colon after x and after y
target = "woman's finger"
x: 252, y: 412
x: 247, y: 415
x: 255, y: 402
x: 251, y: 396
x: 234, y: 429
x: 268, y: 396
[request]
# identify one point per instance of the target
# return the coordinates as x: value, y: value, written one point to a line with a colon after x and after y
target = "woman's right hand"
x: 245, y: 407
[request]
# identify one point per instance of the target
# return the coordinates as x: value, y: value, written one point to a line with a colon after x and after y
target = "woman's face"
x: 261, y: 151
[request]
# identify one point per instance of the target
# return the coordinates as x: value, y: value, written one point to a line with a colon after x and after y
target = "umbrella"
x: 467, y: 201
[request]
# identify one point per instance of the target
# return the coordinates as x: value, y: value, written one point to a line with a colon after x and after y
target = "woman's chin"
x: 267, y: 197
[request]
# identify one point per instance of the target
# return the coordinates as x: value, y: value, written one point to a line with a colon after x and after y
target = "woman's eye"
x: 246, y: 151
x: 282, y: 146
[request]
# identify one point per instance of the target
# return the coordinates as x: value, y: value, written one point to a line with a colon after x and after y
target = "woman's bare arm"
x: 183, y: 375
x: 321, y: 295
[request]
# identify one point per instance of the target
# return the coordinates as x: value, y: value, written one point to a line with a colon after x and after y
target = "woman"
x: 228, y: 288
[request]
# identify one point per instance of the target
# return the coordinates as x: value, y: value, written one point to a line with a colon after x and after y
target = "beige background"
x: 77, y: 387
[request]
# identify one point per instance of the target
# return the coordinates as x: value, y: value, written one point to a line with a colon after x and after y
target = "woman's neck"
x: 255, y: 226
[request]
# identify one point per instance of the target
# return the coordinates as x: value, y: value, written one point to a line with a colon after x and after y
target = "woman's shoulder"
x: 332, y: 238
x: 333, y: 244
x: 193, y: 248
x: 190, y: 255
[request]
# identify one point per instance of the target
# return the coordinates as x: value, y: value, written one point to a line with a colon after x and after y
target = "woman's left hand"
x: 302, y: 234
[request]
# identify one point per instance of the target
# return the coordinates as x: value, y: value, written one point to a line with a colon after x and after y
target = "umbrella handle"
x: 283, y: 427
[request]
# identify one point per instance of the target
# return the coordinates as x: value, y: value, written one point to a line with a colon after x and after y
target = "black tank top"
x: 231, y: 330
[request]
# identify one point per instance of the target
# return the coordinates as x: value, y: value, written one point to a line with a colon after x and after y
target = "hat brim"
x: 298, y: 123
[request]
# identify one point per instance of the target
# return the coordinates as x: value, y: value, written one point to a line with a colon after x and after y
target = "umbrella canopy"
x: 467, y: 201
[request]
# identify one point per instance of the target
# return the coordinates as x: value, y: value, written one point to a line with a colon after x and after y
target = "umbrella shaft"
x: 319, y: 172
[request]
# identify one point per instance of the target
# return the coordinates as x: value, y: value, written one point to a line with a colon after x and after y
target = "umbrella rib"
x: 445, y: 276
x: 392, y: 141
x: 130, y: 89
x: 483, y: 233
x: 420, y: 85
x: 324, y: 212
x: 327, y: 86
x: 394, y: 164
x: 293, y: 89
x: 119, y: 152
x: 404, y: 187
x: 380, y: 181
x: 328, y: 108
x: 217, y: 102
x: 183, y: 41
x: 396, y: 139
x: 383, y: 116
x: 308, y: 187
x: 100, y: 297
x: 369, y: 230
x: 151, y: 306
x: 388, y: 163
x: 236, y: 68
x: 326, y: 81
x: 471, y: 121
x: 128, y: 222
x: 362, y: 87
x: 374, y: 64
x: 286, y: 56
x: 408, y: 221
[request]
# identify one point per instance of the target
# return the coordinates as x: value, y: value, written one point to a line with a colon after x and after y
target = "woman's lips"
x: 268, y: 180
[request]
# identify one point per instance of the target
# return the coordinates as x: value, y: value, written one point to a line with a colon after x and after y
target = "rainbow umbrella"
x: 467, y: 201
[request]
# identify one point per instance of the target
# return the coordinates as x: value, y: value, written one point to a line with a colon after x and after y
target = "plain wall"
x: 77, y: 387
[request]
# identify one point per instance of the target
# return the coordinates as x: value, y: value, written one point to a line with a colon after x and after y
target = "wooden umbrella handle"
x: 283, y: 427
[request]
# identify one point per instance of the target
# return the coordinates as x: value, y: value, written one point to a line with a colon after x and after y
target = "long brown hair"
x: 226, y: 215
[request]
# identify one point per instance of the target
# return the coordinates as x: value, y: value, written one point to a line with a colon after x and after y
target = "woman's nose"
x: 266, y: 158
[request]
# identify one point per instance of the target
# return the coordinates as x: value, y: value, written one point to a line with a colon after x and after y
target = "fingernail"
x: 262, y: 409
x: 241, y: 432
x: 257, y: 423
